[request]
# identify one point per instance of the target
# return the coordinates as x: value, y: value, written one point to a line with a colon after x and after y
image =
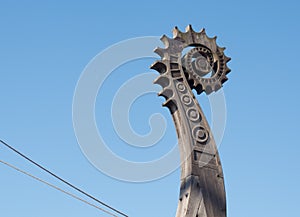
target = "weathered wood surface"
x: 202, y: 192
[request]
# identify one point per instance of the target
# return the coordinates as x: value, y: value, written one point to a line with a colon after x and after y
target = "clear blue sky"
x: 44, y: 47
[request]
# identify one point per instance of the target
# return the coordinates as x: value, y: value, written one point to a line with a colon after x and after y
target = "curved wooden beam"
x: 202, y: 192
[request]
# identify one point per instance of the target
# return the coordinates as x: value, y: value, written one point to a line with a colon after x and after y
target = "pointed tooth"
x: 214, y: 39
x: 176, y: 32
x: 160, y: 51
x: 162, y: 81
x: 224, y: 79
x: 227, y: 70
x: 171, y: 104
x: 167, y: 93
x: 227, y: 59
x: 189, y: 28
x: 165, y: 40
x: 202, y: 31
x: 168, y: 102
x: 159, y: 66
x: 222, y: 49
x: 161, y: 93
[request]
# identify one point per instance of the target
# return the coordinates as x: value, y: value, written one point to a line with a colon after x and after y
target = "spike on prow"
x: 189, y: 28
x: 227, y: 70
x: 176, y: 32
x: 159, y: 66
x: 166, y: 40
x: 171, y: 105
x: 227, y: 59
x: 202, y: 31
x: 214, y: 39
x: 166, y: 92
x: 222, y: 49
x: 160, y: 51
x: 224, y: 79
x: 162, y: 81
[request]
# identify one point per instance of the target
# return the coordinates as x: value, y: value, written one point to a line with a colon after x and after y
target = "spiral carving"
x: 200, y: 134
x: 203, y: 68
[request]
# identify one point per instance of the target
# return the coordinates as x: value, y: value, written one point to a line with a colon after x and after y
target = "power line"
x: 61, y: 179
x: 55, y: 187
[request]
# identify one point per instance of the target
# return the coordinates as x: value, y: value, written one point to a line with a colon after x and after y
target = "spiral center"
x: 201, y: 66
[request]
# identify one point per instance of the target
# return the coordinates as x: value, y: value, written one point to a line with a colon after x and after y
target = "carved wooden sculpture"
x: 203, y: 68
